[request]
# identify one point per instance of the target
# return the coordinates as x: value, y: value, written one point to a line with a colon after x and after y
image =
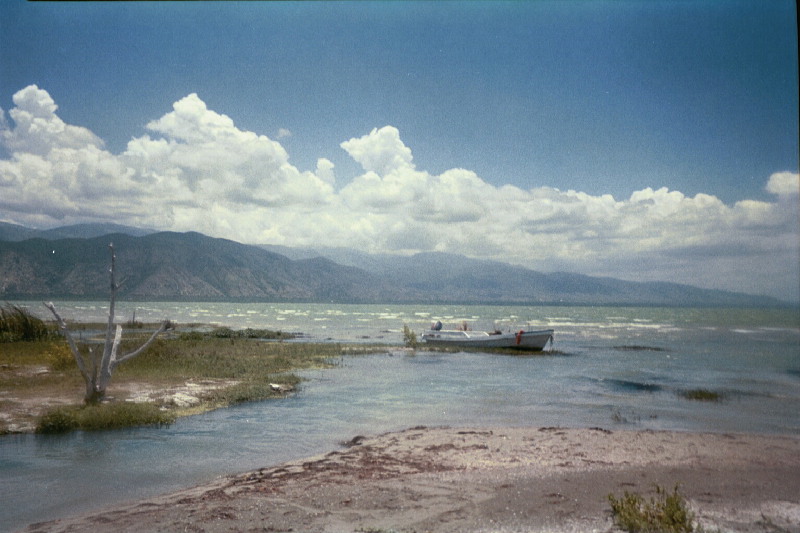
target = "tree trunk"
x: 97, y: 375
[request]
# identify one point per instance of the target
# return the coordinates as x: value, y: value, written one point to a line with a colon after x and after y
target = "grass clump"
x: 702, y: 395
x: 666, y: 513
x: 409, y: 337
x: 59, y: 358
x: 18, y: 324
x: 102, y: 416
x: 249, y: 333
x: 250, y: 391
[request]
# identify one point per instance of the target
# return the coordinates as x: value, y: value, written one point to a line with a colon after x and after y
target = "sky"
x: 642, y: 140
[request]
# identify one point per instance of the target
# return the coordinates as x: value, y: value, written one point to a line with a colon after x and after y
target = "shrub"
x: 667, y: 514
x: 409, y: 337
x: 123, y: 414
x: 57, y: 420
x: 59, y: 358
x: 102, y: 416
x: 18, y: 324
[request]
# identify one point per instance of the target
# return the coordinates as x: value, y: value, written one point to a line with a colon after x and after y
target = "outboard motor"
x: 437, y: 326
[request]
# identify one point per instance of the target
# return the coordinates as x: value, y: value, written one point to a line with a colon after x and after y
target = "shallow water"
x: 619, y: 368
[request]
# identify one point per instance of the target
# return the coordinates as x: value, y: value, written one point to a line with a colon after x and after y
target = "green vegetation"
x: 702, y: 395
x: 103, y: 416
x: 210, y: 357
x: 409, y: 337
x: 669, y: 513
x: 18, y: 324
x: 235, y: 367
x: 249, y: 333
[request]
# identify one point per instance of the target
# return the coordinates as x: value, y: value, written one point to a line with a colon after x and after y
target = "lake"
x: 612, y: 367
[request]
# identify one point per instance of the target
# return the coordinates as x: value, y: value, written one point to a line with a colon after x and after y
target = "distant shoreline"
x: 780, y: 305
x: 171, y: 266
x: 484, y: 479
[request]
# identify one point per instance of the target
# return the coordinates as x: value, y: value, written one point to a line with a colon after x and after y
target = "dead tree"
x: 97, y: 369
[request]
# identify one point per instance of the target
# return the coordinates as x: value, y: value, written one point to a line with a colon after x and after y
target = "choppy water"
x: 622, y: 368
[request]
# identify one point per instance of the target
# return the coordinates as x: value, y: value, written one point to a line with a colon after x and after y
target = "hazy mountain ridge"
x: 173, y: 265
x: 192, y: 266
x: 15, y: 232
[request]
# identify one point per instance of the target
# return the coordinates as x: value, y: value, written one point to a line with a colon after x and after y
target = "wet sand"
x: 480, y: 480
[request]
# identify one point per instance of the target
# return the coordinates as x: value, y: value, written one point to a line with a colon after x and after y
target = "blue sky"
x: 589, y: 97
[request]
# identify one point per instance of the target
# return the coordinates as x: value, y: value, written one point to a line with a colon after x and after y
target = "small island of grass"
x: 702, y: 395
x: 183, y: 373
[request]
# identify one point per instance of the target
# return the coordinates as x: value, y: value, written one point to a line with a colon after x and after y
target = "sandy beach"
x: 480, y: 480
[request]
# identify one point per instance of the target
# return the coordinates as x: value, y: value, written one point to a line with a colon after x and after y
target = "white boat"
x: 522, y: 339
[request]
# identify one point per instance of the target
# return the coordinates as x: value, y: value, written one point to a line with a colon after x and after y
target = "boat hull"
x: 524, y: 340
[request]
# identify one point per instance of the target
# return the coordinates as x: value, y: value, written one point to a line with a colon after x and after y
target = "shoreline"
x: 446, y: 479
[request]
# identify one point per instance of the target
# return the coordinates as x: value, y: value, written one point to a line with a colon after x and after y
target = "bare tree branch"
x: 164, y: 327
x: 102, y: 366
x: 87, y: 377
x: 106, y: 359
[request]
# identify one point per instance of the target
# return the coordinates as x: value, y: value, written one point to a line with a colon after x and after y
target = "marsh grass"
x: 668, y: 512
x: 31, y: 368
x: 18, y: 324
x: 702, y: 395
x: 45, y: 369
x: 225, y: 358
x: 103, y: 416
x: 409, y: 337
x: 249, y: 333
x: 248, y: 391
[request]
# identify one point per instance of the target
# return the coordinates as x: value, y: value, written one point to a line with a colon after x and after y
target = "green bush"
x: 60, y: 358
x: 102, y: 416
x: 668, y: 513
x: 18, y: 324
x: 409, y: 337
x: 58, y: 420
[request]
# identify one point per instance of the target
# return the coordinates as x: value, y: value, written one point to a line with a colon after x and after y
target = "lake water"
x: 613, y: 367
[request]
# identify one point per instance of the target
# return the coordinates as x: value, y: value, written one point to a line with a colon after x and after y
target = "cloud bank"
x: 195, y: 170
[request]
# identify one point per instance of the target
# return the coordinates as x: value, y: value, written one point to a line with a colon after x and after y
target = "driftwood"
x: 98, y: 368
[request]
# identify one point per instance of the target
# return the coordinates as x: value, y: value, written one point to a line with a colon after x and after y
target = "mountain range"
x: 72, y: 262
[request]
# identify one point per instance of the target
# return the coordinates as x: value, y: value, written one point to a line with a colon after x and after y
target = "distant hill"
x: 175, y: 265
x: 15, y: 233
x: 191, y: 266
x: 452, y: 277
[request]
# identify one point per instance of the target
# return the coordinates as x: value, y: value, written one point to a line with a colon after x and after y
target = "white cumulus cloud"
x: 381, y: 151
x: 38, y: 129
x: 784, y: 184
x: 196, y: 170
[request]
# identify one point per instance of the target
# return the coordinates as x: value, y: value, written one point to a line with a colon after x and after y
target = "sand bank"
x: 470, y: 480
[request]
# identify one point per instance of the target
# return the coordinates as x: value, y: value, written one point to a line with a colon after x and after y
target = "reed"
x: 18, y: 324
x: 95, y: 417
x: 666, y: 513
x: 409, y: 337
